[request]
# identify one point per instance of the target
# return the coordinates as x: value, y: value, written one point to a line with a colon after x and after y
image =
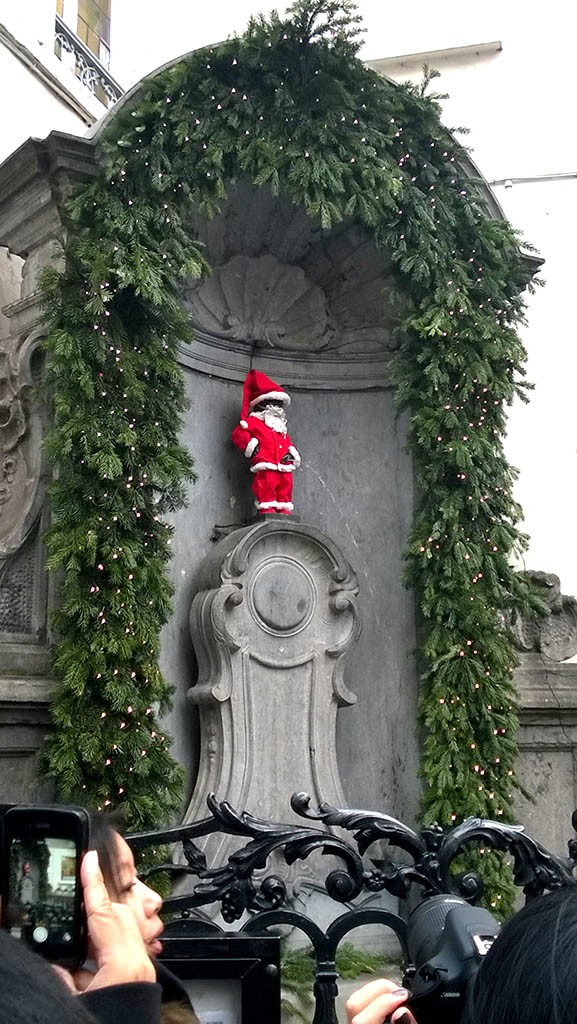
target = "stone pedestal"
x: 271, y: 625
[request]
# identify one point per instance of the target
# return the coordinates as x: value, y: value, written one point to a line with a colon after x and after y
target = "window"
x: 94, y: 27
x: 86, y: 51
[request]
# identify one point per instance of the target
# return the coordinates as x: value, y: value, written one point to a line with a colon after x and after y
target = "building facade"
x: 47, y: 67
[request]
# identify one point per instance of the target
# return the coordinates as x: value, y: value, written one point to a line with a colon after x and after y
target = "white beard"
x: 274, y: 418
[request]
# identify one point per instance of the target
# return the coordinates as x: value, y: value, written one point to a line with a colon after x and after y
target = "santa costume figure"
x: 262, y: 436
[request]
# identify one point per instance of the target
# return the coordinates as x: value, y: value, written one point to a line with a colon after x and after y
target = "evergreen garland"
x: 290, y: 106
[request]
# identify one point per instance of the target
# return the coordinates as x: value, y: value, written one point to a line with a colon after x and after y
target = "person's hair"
x: 31, y: 992
x: 103, y: 829
x: 529, y: 975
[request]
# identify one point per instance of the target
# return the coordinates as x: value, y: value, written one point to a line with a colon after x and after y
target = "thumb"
x: 119, y: 949
x: 96, y: 897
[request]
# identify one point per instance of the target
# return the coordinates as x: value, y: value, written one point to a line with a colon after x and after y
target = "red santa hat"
x: 258, y: 388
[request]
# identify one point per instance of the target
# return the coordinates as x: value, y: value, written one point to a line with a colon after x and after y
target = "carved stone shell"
x: 262, y: 300
x: 282, y: 282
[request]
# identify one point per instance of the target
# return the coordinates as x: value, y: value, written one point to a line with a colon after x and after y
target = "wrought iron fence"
x: 257, y: 901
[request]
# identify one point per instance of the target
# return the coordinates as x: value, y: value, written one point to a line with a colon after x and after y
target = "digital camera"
x: 447, y: 940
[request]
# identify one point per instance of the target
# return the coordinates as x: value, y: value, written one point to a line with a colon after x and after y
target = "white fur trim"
x: 294, y: 452
x: 281, y: 396
x: 243, y: 424
x: 285, y: 504
x: 267, y: 504
x: 252, y: 444
x: 280, y: 467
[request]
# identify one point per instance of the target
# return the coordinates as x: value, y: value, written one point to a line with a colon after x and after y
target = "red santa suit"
x: 263, y: 438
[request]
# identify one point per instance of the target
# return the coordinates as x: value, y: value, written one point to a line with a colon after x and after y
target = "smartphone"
x: 41, y: 848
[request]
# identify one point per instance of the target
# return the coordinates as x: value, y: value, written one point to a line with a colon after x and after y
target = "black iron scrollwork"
x: 232, y: 884
x: 239, y: 889
x: 432, y: 853
x: 535, y: 869
x: 90, y: 71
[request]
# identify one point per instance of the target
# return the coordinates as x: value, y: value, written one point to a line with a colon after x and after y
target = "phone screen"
x: 42, y: 893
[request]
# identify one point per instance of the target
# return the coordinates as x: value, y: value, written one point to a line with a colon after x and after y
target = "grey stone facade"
x: 34, y: 181
x: 306, y: 307
x: 548, y: 725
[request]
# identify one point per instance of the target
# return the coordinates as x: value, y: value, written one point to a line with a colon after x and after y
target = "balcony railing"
x: 88, y: 68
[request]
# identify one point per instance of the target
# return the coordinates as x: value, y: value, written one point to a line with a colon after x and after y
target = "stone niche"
x: 309, y: 308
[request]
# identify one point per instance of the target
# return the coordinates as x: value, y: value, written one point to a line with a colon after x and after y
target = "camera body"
x: 447, y: 940
x: 41, y: 849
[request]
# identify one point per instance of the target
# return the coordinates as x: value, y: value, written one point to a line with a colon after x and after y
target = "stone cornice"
x: 29, y: 690
x: 38, y: 68
x: 546, y: 689
x: 34, y: 182
x: 25, y: 314
x: 315, y: 372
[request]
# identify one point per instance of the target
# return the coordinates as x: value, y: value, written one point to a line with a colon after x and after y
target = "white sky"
x: 146, y: 35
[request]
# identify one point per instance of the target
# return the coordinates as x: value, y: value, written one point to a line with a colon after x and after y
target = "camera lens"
x: 426, y: 924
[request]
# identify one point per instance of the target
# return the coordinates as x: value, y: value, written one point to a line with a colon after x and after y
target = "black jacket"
x: 135, y: 1003
x: 176, y: 1005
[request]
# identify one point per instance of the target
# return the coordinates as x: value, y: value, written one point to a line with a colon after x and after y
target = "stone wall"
x: 548, y: 749
x: 307, y: 308
x: 33, y: 183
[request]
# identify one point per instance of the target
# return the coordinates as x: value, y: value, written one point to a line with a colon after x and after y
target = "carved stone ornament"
x: 554, y: 636
x: 19, y: 446
x: 279, y: 281
x: 262, y: 300
x: 271, y: 625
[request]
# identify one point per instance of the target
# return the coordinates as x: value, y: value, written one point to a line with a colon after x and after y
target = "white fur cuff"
x: 294, y: 452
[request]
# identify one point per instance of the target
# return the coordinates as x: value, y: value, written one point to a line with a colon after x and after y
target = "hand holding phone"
x: 116, y: 944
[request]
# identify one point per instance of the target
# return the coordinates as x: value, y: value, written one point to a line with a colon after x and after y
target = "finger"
x: 96, y: 898
x: 378, y: 1010
x: 375, y: 1001
x: 368, y: 993
x: 82, y: 979
x: 403, y: 1016
x: 103, y: 918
